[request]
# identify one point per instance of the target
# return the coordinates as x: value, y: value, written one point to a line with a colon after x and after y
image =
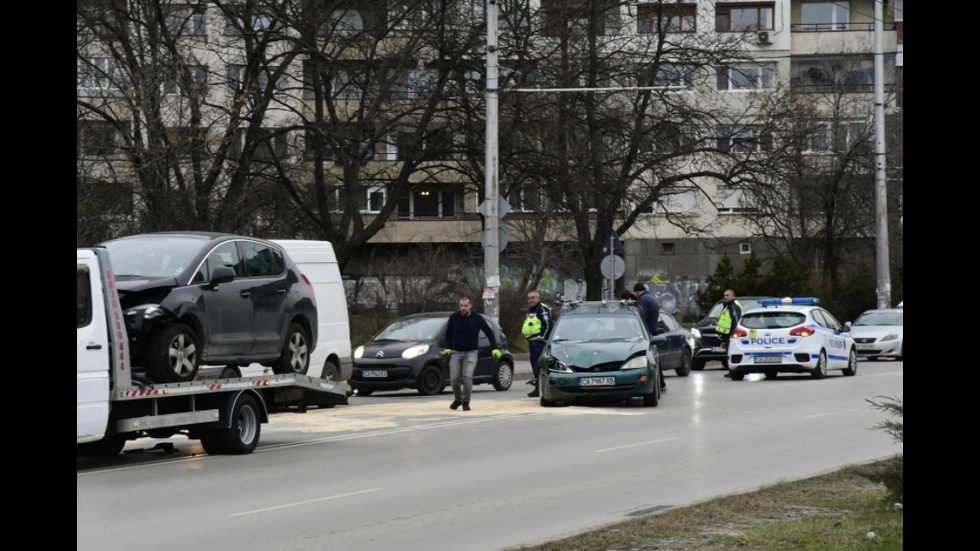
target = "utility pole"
x: 881, y: 176
x: 491, y: 252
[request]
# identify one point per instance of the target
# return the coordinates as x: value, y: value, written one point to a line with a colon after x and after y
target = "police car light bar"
x: 790, y: 301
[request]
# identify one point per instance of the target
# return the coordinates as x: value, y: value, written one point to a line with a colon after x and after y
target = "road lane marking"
x: 310, y: 502
x: 833, y: 413
x: 638, y: 445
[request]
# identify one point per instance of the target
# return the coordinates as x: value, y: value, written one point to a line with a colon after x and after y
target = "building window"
x: 824, y: 139
x: 826, y: 16
x: 258, y: 20
x: 174, y: 83
x: 844, y: 74
x: 100, y: 73
x: 678, y: 201
x: 373, y: 200
x: 654, y: 18
x: 899, y: 10
x: 676, y: 78
x: 237, y: 76
x: 745, y: 17
x: 528, y: 198
x: 745, y: 248
x: 97, y: 139
x: 186, y: 21
x: 744, y: 139
x: 746, y: 78
x: 734, y: 201
x: 668, y: 249
x: 427, y: 203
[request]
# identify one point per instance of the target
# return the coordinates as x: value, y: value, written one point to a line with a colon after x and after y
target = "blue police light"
x: 790, y: 302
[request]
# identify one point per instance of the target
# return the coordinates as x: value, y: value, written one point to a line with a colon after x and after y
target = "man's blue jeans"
x: 536, y: 352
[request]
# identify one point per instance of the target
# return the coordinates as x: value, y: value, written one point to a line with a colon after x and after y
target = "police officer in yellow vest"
x: 537, y: 324
x: 729, y: 320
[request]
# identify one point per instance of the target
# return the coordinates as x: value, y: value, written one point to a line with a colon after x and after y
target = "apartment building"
x: 816, y: 46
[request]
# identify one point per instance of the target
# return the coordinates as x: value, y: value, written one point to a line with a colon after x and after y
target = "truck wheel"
x: 211, y: 444
x: 295, y: 358
x: 505, y: 377
x: 243, y: 436
x: 173, y: 354
x: 686, y: 365
x: 431, y: 381
x: 109, y: 447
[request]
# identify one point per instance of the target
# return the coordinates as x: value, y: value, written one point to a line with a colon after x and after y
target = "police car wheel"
x: 821, y: 372
x: 852, y: 365
x: 737, y: 377
x: 772, y: 375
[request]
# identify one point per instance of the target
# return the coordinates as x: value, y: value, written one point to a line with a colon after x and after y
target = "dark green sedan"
x: 600, y: 350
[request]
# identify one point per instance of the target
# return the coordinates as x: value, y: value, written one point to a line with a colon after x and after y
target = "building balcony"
x: 852, y: 38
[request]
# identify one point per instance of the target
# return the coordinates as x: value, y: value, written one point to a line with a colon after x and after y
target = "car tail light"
x: 736, y: 360
x: 805, y: 331
x: 802, y: 358
x: 310, y: 285
x: 740, y: 333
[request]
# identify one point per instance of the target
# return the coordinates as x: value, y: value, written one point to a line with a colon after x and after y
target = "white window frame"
x: 765, y: 81
x: 99, y: 73
x: 371, y: 191
x: 745, y: 133
x: 899, y: 10
x: 745, y: 248
x: 196, y: 19
x: 831, y: 136
x: 688, y: 74
x: 665, y: 206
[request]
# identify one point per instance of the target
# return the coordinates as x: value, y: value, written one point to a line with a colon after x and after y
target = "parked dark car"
x: 193, y: 299
x: 709, y: 345
x: 408, y: 354
x: 678, y: 353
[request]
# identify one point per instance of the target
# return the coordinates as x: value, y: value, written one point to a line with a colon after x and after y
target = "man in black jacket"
x: 651, y: 314
x: 463, y: 339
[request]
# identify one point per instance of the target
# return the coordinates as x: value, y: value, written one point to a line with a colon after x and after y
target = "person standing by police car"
x: 537, y: 324
x: 729, y: 319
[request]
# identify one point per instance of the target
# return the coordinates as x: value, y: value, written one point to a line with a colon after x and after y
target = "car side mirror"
x: 539, y: 342
x: 659, y: 341
x: 221, y: 276
x: 847, y: 327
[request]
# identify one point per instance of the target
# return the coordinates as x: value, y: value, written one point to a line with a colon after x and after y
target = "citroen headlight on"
x: 638, y: 362
x: 359, y: 353
x: 696, y: 333
x: 415, y: 352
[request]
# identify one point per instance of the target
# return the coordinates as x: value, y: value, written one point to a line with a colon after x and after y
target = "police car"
x: 791, y: 336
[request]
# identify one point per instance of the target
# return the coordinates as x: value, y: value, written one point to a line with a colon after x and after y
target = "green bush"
x: 891, y: 473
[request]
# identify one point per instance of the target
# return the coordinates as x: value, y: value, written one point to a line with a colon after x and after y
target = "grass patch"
x: 828, y: 513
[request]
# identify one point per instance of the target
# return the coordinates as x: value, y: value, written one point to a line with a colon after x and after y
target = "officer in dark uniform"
x: 538, y: 324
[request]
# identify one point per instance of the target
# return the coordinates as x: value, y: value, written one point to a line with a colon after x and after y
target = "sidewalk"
x: 522, y: 369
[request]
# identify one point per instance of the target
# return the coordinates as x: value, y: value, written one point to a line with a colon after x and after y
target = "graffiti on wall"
x: 510, y: 278
x: 678, y: 296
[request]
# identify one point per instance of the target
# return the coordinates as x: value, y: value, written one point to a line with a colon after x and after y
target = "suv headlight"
x: 696, y: 333
x: 890, y: 338
x: 359, y: 353
x: 415, y: 352
x: 638, y: 362
x: 559, y: 367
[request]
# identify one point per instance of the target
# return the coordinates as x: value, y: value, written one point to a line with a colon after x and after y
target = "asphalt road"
x: 403, y: 473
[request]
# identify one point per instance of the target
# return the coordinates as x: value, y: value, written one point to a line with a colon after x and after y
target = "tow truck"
x: 114, y: 405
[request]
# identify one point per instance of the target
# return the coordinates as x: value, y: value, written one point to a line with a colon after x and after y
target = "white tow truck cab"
x: 114, y: 405
x: 791, y: 336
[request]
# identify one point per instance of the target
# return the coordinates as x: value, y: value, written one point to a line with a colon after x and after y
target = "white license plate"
x: 769, y: 360
x: 375, y: 374
x: 719, y: 349
x: 866, y: 347
x: 603, y: 381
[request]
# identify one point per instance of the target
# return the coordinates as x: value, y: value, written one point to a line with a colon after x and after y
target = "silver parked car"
x: 879, y: 334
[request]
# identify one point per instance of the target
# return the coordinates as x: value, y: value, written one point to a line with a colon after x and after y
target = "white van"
x: 332, y: 357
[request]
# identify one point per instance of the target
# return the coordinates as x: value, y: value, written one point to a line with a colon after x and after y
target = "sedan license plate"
x: 866, y: 347
x: 769, y: 360
x: 598, y: 381
x: 375, y: 374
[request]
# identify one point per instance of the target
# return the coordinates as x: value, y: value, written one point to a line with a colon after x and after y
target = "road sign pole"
x: 612, y: 282
x: 491, y: 251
